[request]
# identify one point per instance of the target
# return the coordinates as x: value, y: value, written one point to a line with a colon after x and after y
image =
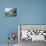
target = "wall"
x: 28, y: 12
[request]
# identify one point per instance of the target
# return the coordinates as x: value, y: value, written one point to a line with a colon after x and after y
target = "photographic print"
x: 10, y: 12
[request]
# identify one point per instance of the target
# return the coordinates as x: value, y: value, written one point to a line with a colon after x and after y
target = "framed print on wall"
x: 10, y: 11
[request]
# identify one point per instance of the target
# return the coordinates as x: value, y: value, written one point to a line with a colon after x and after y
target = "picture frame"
x: 11, y: 12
